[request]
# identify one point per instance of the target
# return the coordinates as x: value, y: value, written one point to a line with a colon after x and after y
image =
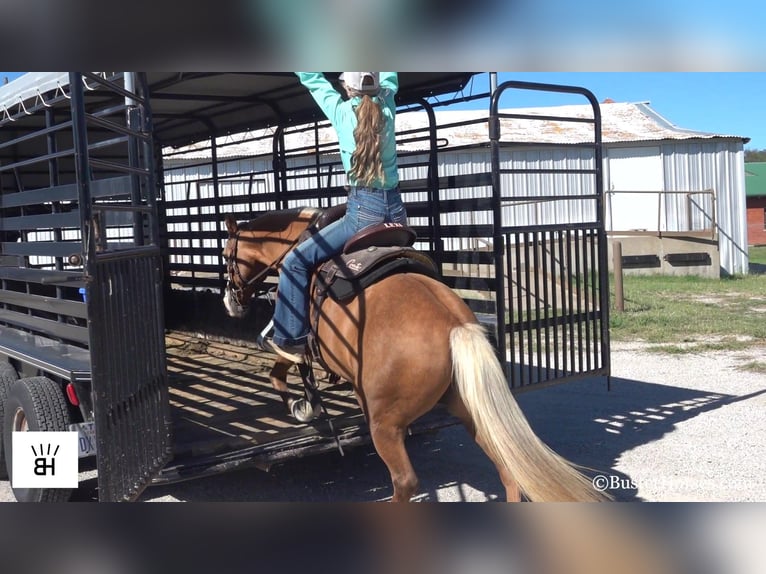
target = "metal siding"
x: 537, y: 185
x: 688, y: 166
x: 717, y: 165
x: 546, y: 185
x: 463, y: 163
x: 634, y: 171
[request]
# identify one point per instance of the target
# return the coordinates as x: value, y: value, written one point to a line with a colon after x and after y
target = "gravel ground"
x: 672, y: 428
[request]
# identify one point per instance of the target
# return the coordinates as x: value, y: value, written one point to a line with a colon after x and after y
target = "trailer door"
x: 117, y: 186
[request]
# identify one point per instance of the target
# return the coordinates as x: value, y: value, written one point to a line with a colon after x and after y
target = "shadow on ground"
x: 592, y: 427
x: 581, y: 420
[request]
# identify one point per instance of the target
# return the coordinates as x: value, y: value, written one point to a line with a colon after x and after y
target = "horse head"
x: 241, y: 266
x: 256, y: 248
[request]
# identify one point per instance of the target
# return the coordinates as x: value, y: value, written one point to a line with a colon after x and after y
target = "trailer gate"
x: 552, y: 290
x: 129, y: 375
x: 80, y: 273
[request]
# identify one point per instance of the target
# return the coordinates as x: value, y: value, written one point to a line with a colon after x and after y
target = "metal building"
x: 661, y: 180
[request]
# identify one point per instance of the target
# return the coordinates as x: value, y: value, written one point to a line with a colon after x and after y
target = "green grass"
x: 758, y: 255
x: 692, y: 314
x: 754, y: 367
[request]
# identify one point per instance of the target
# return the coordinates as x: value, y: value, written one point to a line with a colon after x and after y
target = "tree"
x: 753, y: 155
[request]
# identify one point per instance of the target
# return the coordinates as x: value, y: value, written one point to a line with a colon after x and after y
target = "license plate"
x: 86, y: 438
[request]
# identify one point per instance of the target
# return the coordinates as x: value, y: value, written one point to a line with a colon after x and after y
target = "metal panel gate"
x: 552, y: 289
x: 124, y: 292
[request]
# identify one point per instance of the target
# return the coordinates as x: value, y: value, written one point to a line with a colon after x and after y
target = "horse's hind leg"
x: 389, y: 443
x: 457, y: 408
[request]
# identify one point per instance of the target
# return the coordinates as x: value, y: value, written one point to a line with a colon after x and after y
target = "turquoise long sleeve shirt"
x: 342, y: 116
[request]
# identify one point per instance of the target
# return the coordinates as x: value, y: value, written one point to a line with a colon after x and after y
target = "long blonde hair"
x: 366, y: 161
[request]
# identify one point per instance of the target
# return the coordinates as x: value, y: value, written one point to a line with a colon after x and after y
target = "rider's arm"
x: 390, y: 81
x: 324, y: 94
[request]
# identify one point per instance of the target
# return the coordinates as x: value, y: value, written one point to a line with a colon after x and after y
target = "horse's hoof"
x: 302, y: 410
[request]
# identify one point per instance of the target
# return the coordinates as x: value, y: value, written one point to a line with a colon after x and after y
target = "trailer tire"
x: 35, y: 404
x: 7, y: 376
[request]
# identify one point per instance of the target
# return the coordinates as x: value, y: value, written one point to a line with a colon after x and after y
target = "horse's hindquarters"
x: 392, y: 341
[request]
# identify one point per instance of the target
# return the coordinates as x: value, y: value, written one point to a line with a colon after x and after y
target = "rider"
x: 364, y: 123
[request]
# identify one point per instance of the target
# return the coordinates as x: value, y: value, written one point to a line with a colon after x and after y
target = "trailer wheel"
x: 35, y: 404
x: 7, y: 376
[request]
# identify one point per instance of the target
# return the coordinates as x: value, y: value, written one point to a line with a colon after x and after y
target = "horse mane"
x: 280, y: 219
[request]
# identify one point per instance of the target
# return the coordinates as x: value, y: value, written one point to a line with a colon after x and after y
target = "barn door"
x: 116, y: 180
x: 635, y: 182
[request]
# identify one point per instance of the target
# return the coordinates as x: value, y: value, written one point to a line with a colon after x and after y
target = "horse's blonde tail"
x: 541, y: 474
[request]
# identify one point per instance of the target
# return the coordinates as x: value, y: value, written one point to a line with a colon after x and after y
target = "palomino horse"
x: 406, y: 343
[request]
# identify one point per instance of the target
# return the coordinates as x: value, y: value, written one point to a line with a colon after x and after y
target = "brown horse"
x: 407, y: 343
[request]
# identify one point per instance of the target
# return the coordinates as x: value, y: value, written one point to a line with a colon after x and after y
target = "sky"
x: 726, y: 103
x: 10, y: 75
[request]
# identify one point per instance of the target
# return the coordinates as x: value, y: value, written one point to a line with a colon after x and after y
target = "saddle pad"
x: 350, y: 274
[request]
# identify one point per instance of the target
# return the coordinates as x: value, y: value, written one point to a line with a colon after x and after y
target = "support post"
x: 619, y: 295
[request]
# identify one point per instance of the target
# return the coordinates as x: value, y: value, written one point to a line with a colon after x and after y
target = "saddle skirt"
x: 349, y: 274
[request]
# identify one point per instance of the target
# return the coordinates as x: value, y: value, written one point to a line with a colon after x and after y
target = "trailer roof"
x: 190, y: 106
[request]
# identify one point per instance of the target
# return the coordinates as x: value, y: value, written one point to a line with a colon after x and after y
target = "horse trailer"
x: 114, y: 187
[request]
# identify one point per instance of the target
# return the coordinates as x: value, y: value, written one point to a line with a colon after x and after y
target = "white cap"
x: 362, y: 82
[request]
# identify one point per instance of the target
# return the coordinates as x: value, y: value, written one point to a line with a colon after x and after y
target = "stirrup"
x: 265, y: 333
x: 292, y: 356
x: 312, y: 404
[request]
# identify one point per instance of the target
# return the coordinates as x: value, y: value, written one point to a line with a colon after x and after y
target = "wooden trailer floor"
x: 221, y: 397
x: 226, y: 414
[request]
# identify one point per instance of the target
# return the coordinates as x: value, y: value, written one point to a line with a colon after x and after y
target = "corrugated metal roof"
x: 190, y: 106
x: 755, y: 179
x: 621, y: 123
x: 24, y: 90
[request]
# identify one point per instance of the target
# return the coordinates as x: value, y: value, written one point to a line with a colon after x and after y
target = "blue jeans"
x: 365, y: 207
